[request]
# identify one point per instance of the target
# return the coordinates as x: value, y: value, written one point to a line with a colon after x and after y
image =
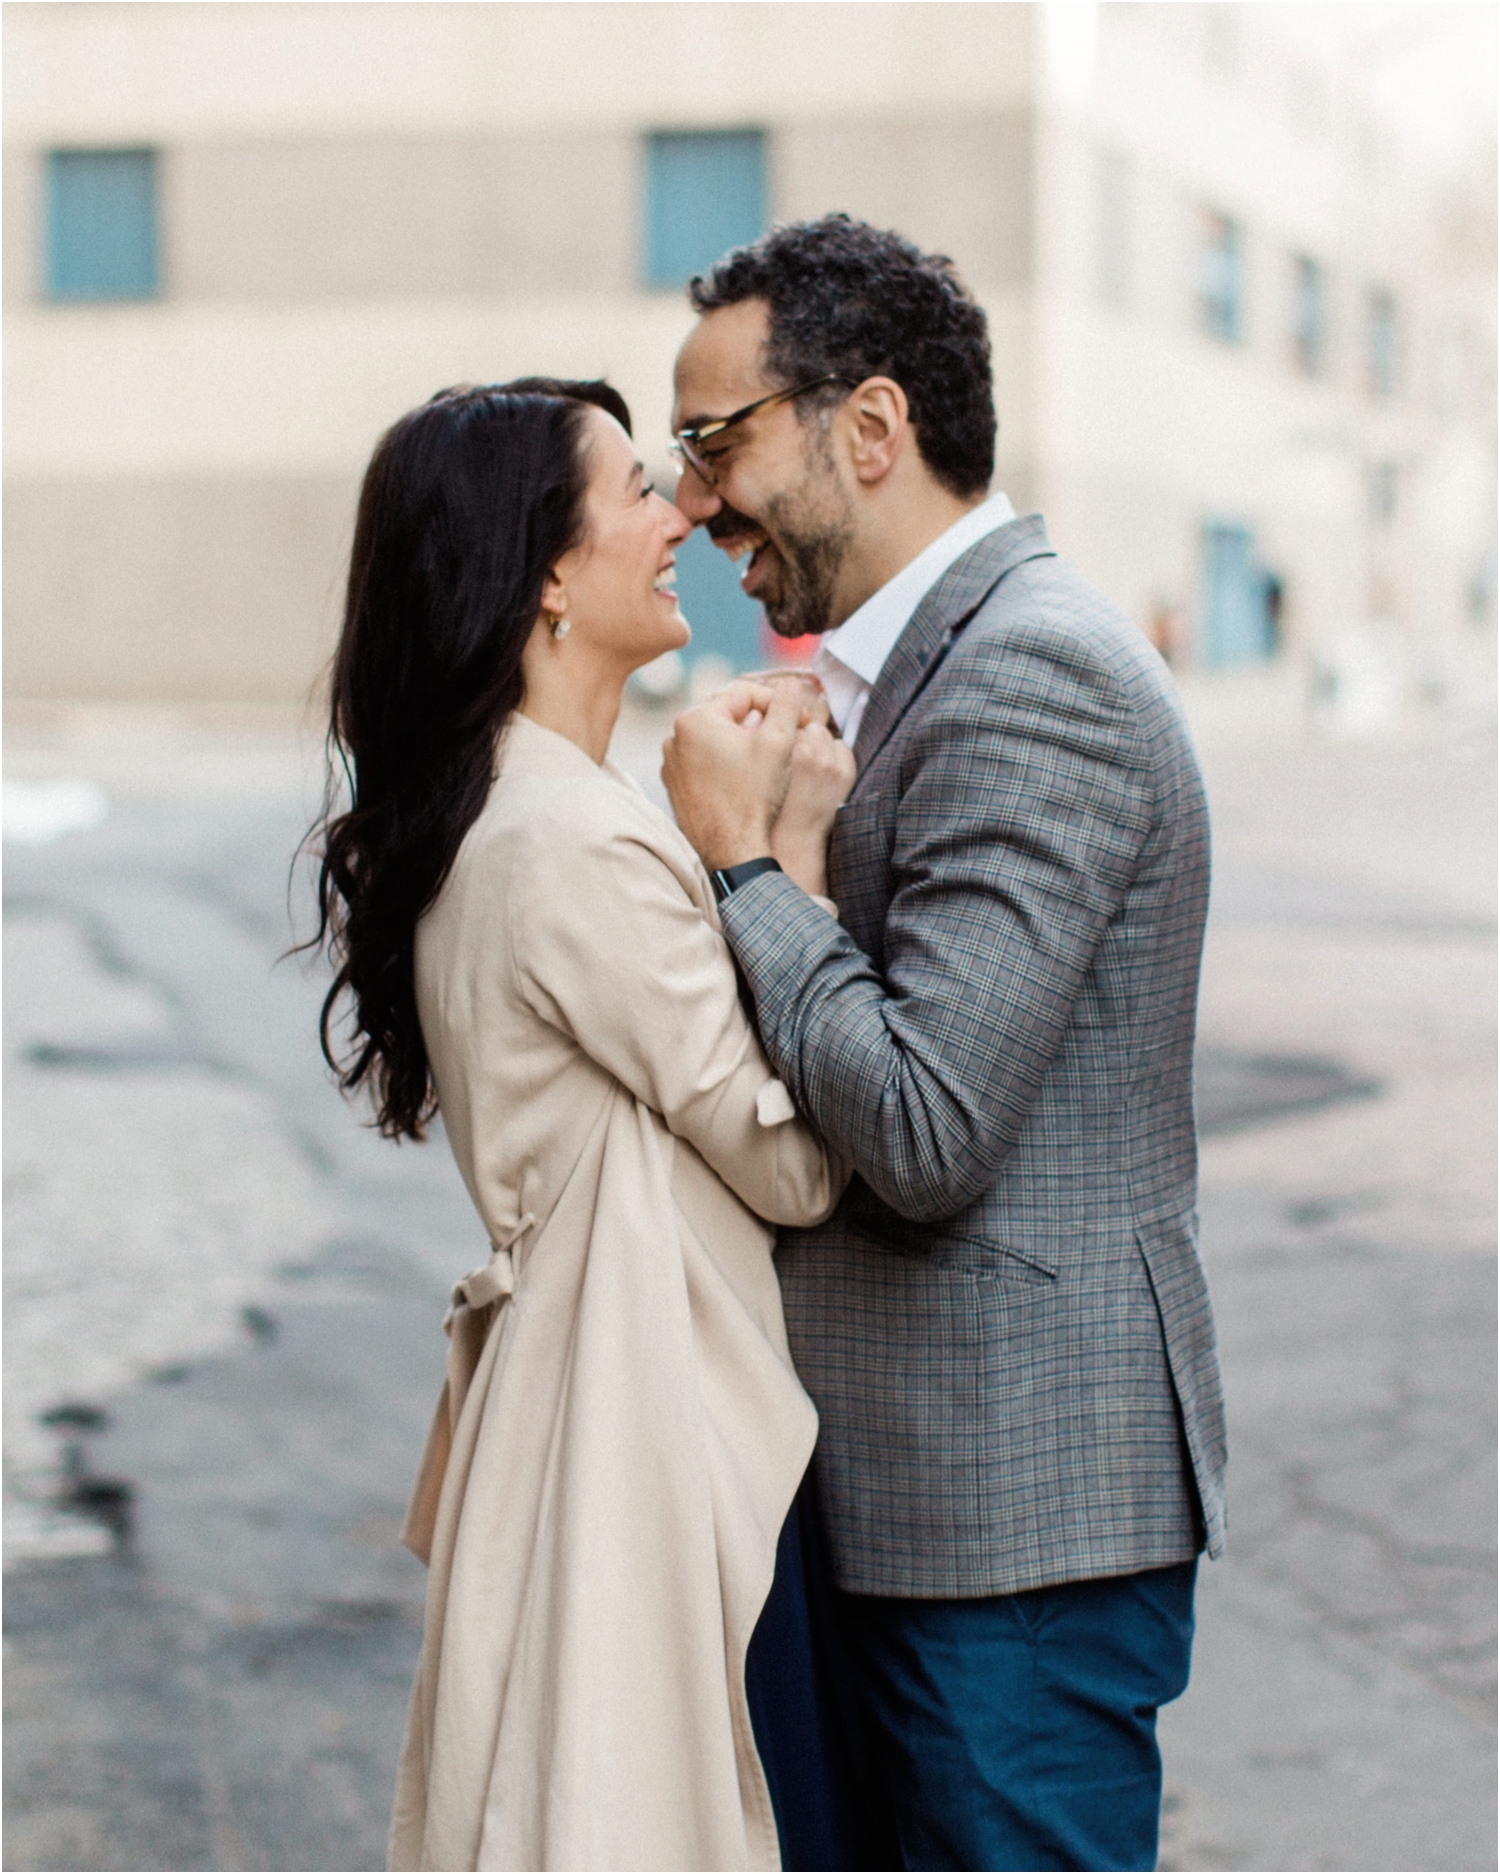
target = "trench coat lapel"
x: 937, y: 621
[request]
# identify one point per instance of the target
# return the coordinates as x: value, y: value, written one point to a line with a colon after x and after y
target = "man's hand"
x: 823, y: 772
x: 814, y: 702
x: 727, y: 774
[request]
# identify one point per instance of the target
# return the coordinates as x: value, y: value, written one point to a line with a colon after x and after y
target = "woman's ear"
x: 554, y: 595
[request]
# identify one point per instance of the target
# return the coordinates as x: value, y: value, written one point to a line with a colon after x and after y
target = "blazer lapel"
x: 937, y: 621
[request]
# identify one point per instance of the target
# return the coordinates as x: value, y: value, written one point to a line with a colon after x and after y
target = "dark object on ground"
x: 1235, y: 1090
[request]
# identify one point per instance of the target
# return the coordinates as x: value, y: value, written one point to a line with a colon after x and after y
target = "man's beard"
x: 811, y: 548
x: 809, y: 537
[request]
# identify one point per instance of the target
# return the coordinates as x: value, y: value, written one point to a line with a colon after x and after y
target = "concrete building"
x: 1244, y: 339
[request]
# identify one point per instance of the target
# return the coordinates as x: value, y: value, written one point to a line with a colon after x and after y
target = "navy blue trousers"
x: 803, y: 1710
x: 1016, y: 1731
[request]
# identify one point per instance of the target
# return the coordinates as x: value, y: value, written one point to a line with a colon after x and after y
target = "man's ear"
x: 880, y: 427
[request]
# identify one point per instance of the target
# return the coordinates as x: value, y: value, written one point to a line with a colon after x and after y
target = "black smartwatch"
x: 733, y: 876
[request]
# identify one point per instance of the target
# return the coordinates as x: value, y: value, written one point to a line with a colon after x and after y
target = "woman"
x: 532, y: 950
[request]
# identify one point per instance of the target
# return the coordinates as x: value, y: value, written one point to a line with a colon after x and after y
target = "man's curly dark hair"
x: 849, y: 299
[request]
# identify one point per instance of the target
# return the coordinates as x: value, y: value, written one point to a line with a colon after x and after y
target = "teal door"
x: 1236, y: 618
x: 725, y: 623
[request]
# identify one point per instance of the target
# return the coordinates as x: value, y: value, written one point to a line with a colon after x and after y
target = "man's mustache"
x: 729, y: 523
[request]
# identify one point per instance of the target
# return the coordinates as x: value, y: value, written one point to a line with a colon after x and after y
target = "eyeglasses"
x: 685, y: 449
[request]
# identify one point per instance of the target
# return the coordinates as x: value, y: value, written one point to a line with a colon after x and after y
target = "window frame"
x: 71, y: 274
x: 1309, y: 337
x: 1221, y: 304
x: 663, y: 268
x: 1382, y: 343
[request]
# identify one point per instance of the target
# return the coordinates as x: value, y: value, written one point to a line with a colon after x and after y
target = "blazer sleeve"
x: 610, y: 947
x: 1027, y: 797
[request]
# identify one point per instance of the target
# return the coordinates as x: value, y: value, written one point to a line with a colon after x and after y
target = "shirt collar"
x: 867, y: 637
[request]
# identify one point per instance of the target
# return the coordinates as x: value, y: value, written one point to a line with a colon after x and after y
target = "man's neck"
x: 891, y: 533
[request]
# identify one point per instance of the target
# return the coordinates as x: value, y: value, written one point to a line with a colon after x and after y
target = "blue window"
x: 1239, y: 615
x: 1381, y: 343
x: 1220, y: 281
x: 101, y: 224
x: 705, y: 192
x: 1307, y: 315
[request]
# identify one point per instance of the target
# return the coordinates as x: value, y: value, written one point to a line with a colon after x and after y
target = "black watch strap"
x: 733, y: 876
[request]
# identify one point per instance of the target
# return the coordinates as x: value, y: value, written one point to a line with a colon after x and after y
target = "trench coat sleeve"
x: 612, y: 944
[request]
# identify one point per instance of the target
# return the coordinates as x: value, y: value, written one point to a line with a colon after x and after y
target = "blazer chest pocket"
x: 869, y: 810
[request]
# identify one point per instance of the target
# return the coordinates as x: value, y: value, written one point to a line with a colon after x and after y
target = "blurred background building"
x: 1242, y: 300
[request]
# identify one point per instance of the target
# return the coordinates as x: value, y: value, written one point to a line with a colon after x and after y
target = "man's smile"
x: 737, y: 536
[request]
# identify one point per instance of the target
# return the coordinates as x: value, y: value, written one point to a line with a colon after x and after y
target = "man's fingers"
x: 784, y: 710
x: 815, y: 706
x: 739, y: 698
x: 818, y: 745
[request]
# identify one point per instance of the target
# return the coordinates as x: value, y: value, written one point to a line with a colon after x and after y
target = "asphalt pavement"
x: 223, y: 1300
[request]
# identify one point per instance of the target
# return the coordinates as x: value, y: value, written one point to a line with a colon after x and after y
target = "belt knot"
x: 497, y: 1279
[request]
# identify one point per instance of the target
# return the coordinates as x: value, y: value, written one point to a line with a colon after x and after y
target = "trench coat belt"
x: 496, y: 1281
x: 477, y: 1300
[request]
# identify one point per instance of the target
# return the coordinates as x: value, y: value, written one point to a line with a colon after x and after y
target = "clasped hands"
x: 757, y: 769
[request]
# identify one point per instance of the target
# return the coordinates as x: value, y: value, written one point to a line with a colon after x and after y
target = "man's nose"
x: 695, y: 498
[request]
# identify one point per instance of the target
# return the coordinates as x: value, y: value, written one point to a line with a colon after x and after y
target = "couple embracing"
x: 829, y: 1440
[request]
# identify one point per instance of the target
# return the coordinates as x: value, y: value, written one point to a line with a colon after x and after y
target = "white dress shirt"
x: 851, y: 658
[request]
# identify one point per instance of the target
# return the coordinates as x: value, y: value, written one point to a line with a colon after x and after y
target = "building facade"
x: 1243, y: 345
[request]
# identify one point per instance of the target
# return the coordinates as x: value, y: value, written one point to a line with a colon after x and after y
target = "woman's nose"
x: 678, y: 524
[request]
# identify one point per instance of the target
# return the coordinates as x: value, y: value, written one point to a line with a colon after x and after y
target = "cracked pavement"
x: 205, y: 1248
x: 1341, y: 1713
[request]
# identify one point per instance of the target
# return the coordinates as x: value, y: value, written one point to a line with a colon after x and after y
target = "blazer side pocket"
x: 1007, y: 1261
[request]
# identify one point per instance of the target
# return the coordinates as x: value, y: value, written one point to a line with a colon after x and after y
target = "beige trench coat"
x: 622, y: 1432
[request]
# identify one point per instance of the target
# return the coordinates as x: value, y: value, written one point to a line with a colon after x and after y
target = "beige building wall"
x: 190, y: 588
x: 362, y: 203
x: 1147, y: 427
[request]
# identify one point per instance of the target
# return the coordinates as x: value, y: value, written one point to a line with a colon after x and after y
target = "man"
x: 1004, y: 1325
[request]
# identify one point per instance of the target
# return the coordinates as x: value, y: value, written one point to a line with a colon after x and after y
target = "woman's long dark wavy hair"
x: 466, y: 505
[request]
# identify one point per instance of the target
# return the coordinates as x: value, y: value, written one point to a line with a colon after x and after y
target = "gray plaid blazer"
x: 1004, y: 1324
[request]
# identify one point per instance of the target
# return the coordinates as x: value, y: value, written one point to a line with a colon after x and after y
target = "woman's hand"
x: 822, y: 775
